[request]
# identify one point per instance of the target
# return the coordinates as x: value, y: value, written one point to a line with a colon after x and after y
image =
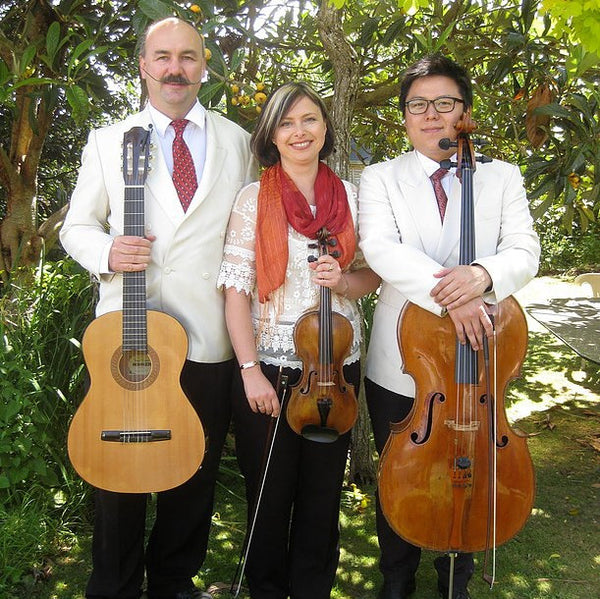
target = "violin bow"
x: 282, y: 385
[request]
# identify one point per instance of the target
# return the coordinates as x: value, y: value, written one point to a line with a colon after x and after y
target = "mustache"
x: 178, y: 79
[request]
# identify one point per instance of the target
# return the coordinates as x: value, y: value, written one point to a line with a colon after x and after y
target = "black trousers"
x: 178, y: 540
x: 294, y: 550
x: 399, y: 559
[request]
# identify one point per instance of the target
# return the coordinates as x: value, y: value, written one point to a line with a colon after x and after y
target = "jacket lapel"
x: 213, y: 166
x: 417, y: 194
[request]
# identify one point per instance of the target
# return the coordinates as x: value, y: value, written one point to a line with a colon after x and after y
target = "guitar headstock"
x: 136, y: 155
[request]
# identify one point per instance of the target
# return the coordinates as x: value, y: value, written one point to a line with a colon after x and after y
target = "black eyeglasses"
x: 441, y: 104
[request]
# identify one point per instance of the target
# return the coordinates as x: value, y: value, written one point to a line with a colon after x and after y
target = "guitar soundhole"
x: 134, y: 369
x: 135, y: 366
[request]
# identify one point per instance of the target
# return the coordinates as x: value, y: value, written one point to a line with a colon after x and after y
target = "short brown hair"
x: 278, y: 105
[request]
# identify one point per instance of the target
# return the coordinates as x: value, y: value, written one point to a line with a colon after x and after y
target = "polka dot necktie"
x: 184, y: 172
x: 438, y: 188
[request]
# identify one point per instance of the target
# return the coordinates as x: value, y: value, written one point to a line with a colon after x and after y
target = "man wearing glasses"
x: 409, y: 224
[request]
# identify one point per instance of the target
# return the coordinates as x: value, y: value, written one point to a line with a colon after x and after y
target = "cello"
x: 453, y: 476
x: 322, y: 405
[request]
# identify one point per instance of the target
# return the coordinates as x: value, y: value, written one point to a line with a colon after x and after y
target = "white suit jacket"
x: 186, y: 256
x: 403, y: 241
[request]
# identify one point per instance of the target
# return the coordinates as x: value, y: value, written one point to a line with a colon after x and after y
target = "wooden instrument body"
x: 135, y: 431
x: 322, y: 405
x: 302, y: 405
x: 427, y: 499
x: 118, y: 401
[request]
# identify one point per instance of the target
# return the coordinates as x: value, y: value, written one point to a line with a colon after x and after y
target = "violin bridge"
x: 325, y: 384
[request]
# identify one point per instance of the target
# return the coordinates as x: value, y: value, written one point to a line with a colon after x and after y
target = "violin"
x: 454, y: 476
x: 322, y: 405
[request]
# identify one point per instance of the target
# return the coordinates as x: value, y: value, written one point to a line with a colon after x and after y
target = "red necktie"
x: 184, y: 172
x: 438, y: 188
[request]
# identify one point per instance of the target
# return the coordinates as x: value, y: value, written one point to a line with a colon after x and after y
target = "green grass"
x: 555, y: 556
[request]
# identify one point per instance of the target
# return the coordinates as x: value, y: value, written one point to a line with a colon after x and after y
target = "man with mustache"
x: 186, y: 215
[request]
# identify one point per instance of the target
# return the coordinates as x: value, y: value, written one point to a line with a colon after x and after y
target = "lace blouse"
x: 274, y: 321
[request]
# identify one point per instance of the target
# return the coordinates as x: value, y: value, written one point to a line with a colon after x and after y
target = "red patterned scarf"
x: 279, y: 203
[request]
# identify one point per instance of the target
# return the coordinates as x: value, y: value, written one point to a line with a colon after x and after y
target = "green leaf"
x: 392, y: 32
x: 368, y: 30
x: 208, y: 91
x: 52, y: 40
x: 34, y: 81
x: 155, y: 9
x: 79, y: 102
x: 236, y: 59
x: 79, y: 50
x: 26, y: 59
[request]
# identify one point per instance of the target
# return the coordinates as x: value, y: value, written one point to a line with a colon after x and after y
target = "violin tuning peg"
x: 312, y: 258
x: 335, y: 254
x: 332, y: 242
x: 313, y: 246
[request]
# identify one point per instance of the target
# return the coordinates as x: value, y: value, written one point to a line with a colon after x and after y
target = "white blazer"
x: 403, y: 240
x: 186, y: 256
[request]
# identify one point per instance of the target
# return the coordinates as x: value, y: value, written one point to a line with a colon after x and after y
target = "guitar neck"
x: 135, y: 331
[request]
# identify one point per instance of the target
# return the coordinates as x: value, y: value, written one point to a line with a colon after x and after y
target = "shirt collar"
x: 429, y: 165
x: 196, y: 115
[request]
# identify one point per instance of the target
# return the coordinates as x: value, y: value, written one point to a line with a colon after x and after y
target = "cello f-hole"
x: 414, y: 437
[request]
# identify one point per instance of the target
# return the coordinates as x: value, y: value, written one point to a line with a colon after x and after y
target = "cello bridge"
x: 464, y: 427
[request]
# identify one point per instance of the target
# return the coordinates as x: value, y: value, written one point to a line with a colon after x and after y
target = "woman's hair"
x: 437, y: 64
x: 278, y: 105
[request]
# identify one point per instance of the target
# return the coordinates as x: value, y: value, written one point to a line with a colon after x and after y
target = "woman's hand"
x: 327, y: 272
x: 261, y: 396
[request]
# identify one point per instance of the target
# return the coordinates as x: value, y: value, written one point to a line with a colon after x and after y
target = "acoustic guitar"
x: 135, y: 431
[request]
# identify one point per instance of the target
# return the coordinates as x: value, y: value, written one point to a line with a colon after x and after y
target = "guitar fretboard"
x: 135, y: 335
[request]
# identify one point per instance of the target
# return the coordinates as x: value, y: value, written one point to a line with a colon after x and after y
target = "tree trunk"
x: 20, y: 242
x: 346, y: 69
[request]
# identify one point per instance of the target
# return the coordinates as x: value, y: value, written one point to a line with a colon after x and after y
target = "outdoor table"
x: 575, y: 321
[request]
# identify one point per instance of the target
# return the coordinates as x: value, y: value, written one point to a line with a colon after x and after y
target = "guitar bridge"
x: 136, y: 436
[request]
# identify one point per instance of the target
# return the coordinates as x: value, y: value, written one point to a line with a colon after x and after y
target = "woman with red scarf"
x: 269, y: 283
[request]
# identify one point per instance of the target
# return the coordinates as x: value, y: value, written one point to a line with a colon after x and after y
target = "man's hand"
x: 459, y: 285
x: 129, y: 253
x: 471, y: 321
